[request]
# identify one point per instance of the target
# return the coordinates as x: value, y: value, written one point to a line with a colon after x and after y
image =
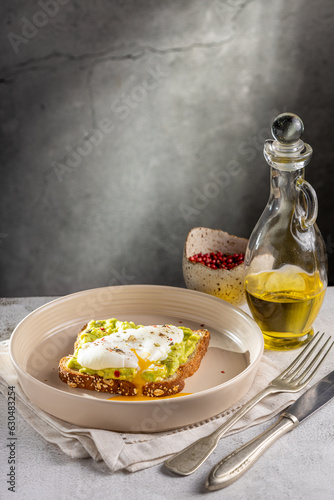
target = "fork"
x: 292, y: 379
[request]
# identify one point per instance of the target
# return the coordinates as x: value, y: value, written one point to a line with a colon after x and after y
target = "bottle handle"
x: 308, y: 213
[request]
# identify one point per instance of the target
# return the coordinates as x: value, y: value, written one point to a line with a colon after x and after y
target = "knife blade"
x: 237, y: 463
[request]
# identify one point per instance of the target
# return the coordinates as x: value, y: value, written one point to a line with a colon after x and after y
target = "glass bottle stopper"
x: 287, y: 128
x: 287, y: 151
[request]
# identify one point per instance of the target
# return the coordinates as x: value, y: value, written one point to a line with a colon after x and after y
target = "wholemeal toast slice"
x: 77, y: 377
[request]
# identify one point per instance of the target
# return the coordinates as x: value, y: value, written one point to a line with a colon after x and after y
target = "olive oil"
x: 285, y: 303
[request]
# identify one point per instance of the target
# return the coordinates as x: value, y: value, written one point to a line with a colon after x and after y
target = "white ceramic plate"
x: 225, y: 375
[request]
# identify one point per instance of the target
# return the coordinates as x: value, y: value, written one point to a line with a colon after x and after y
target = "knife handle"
x: 234, y: 465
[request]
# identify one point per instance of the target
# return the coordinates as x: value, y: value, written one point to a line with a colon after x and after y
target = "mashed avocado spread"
x: 177, y: 355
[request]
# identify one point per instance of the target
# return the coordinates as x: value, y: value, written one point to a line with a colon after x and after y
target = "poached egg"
x: 125, y: 348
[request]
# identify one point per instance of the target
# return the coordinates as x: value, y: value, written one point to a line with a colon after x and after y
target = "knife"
x: 234, y: 465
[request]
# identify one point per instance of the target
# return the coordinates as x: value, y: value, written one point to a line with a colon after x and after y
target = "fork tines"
x: 305, y: 358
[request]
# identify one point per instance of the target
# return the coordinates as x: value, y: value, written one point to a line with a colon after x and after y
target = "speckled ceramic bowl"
x: 225, y: 284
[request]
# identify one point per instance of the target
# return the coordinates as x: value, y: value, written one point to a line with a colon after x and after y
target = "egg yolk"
x: 138, y: 379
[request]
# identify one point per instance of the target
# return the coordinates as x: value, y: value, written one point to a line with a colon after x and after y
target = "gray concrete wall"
x: 124, y: 124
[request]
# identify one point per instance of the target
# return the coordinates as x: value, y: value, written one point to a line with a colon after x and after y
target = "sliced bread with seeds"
x: 133, y: 360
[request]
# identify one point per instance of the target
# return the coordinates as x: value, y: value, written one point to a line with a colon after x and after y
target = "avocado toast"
x: 133, y: 360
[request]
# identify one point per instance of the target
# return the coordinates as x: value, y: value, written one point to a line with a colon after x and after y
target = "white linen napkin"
x: 134, y: 452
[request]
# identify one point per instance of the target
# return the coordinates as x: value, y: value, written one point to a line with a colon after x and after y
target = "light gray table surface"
x: 298, y: 466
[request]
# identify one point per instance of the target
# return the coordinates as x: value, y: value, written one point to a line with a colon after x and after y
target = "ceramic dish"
x: 225, y: 375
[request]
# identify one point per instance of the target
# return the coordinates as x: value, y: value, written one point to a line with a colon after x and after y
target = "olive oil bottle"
x: 286, y: 261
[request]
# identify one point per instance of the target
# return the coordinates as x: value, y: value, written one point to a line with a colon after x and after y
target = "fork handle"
x: 237, y: 463
x: 191, y: 458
